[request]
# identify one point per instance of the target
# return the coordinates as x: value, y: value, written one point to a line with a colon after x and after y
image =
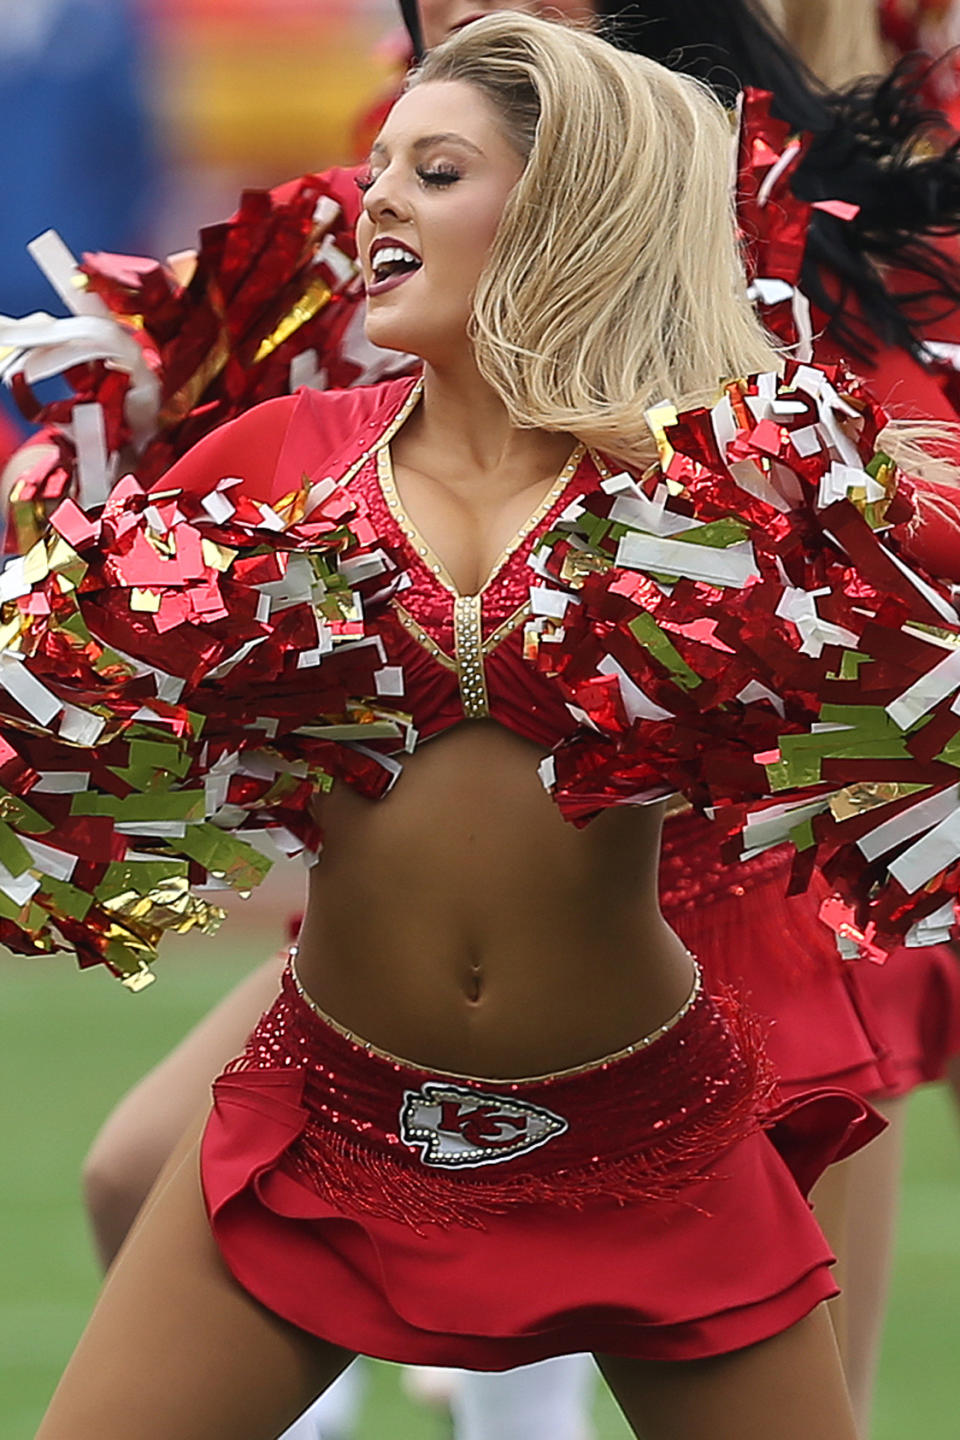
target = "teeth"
x: 394, y: 255
x: 390, y: 255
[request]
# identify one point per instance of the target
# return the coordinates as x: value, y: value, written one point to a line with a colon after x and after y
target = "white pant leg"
x: 334, y: 1415
x: 548, y: 1401
x: 430, y: 1384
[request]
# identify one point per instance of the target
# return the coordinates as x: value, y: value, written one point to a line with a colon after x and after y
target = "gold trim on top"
x: 388, y: 487
x: 511, y: 623
x: 696, y: 989
x: 471, y: 672
x: 471, y: 650
x: 600, y: 465
x: 470, y: 646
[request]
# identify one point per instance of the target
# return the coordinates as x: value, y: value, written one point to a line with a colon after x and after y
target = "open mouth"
x: 392, y: 262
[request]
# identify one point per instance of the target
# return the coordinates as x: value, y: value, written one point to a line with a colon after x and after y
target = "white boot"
x: 432, y: 1385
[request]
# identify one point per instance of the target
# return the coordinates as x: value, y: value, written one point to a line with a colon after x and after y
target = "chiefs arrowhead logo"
x: 454, y: 1127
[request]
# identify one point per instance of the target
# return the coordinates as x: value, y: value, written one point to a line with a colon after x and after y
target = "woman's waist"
x: 371, y: 1133
x: 492, y: 1000
x: 364, y: 1093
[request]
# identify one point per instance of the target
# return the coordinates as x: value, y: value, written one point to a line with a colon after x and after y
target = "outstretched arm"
x: 741, y: 625
x: 172, y: 673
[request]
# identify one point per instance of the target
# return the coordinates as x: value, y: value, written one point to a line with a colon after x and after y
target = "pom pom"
x: 742, y: 626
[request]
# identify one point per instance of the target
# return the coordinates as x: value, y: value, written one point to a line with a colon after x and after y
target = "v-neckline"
x: 422, y: 548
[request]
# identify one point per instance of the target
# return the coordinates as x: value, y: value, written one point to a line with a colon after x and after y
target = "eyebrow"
x: 425, y: 142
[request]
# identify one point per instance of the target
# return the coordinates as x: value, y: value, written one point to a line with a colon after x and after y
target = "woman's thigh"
x: 874, y: 1181
x: 176, y: 1348
x: 789, y: 1387
x: 830, y: 1199
x: 138, y: 1136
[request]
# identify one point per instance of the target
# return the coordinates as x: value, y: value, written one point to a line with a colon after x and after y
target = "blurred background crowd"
x: 138, y: 121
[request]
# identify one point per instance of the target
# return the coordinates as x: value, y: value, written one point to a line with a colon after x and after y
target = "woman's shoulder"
x: 338, y: 417
x: 301, y: 436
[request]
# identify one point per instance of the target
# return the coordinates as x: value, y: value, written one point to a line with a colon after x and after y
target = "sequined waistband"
x: 570, y: 1071
x: 372, y: 1133
x: 618, y: 1104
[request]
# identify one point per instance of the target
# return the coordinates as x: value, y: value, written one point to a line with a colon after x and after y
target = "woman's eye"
x: 439, y: 175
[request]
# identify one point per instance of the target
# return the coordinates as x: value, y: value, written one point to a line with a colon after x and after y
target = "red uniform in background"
x: 933, y: 28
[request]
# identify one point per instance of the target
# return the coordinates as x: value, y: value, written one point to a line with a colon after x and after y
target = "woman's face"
x: 440, y: 173
x: 439, y: 18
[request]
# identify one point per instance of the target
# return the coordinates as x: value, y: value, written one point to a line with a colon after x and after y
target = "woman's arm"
x: 932, y: 540
x: 171, y: 673
x: 739, y: 625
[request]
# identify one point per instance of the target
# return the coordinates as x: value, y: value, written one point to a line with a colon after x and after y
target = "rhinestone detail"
x: 468, y: 636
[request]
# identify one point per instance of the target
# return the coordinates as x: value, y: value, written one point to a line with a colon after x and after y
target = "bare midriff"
x: 461, y: 923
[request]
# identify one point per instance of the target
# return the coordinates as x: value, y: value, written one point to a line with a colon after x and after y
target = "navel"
x: 473, y: 986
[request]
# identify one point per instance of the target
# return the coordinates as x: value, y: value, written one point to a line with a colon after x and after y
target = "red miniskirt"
x: 879, y: 1030
x: 649, y: 1205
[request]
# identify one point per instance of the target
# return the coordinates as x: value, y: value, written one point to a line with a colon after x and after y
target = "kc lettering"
x: 454, y: 1127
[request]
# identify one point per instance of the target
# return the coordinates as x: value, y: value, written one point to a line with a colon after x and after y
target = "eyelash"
x: 439, y: 178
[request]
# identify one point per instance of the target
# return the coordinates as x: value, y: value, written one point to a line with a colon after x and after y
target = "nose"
x: 382, y: 201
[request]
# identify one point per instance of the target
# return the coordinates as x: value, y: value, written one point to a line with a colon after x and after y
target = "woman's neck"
x: 463, y: 419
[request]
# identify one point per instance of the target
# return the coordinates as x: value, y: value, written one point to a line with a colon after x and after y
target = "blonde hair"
x: 839, y: 40
x: 615, y: 278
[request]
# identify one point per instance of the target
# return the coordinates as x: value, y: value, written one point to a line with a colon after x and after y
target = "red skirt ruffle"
x: 445, y: 1220
x: 876, y: 1030
x: 916, y: 998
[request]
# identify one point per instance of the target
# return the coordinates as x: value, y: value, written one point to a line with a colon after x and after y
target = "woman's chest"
x: 455, y: 655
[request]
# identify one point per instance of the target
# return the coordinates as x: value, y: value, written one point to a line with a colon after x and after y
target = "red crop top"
x: 447, y: 656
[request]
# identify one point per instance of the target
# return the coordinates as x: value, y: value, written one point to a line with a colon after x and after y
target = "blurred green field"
x: 70, y: 1044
